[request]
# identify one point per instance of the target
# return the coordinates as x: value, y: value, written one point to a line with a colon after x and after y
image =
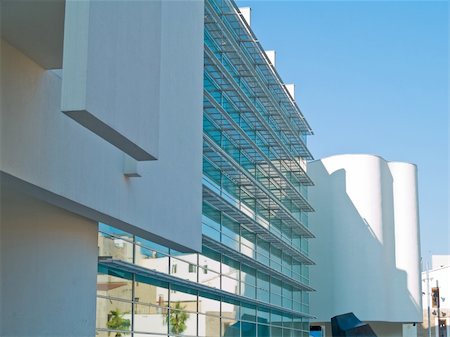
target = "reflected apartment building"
x: 149, y: 215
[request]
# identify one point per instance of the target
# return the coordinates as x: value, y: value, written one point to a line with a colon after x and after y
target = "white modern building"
x: 153, y: 178
x: 436, y: 297
x: 367, y: 243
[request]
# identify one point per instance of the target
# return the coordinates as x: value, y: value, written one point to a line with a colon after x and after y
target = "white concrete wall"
x: 49, y: 154
x: 111, y: 71
x: 439, y: 261
x: 48, y: 270
x: 407, y: 235
x: 367, y: 245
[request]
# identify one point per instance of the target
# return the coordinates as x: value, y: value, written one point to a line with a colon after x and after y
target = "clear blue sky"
x: 371, y: 77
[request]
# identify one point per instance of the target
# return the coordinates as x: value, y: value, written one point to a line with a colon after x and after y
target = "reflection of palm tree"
x: 177, y: 318
x: 117, y: 322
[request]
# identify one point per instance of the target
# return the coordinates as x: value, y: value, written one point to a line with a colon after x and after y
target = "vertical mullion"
x: 133, y: 284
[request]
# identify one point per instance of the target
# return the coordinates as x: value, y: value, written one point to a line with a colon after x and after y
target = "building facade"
x: 133, y: 219
x: 251, y: 277
x: 367, y: 245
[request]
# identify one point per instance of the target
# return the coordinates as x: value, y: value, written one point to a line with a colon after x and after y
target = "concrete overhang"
x: 94, y: 40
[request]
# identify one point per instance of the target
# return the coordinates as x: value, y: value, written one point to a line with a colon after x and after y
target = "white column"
x: 407, y: 234
x: 48, y: 270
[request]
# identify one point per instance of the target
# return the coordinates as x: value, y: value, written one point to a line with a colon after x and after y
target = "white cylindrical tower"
x: 407, y: 236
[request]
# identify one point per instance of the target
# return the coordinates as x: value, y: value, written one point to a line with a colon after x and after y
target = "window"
x: 192, y: 268
x: 174, y: 269
x: 205, y: 269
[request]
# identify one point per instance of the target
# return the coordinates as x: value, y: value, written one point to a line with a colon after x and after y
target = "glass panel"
x: 210, y: 231
x: 275, y: 259
x: 263, y: 295
x: 248, y: 275
x: 248, y: 313
x: 276, y: 318
x: 230, y: 310
x: 230, y: 267
x: 180, y: 268
x: 287, y: 320
x: 287, y: 296
x: 231, y: 285
x: 305, y: 297
x: 248, y: 329
x: 102, y: 334
x: 263, y: 291
x: 210, y: 258
x: 151, y: 246
x: 263, y: 259
x: 248, y: 241
x: 208, y: 325
x: 115, y: 247
x: 275, y: 292
x: 248, y: 290
x: 150, y: 319
x: 106, y: 229
x: 113, y: 315
x: 230, y: 328
x: 287, y: 264
x: 152, y: 259
x: 297, y: 323
x: 230, y: 240
x: 183, y: 302
x: 150, y: 294
x: 287, y: 333
x: 182, y: 322
x: 297, y: 306
x: 263, y: 330
x: 276, y: 332
x: 209, y: 278
x: 109, y: 285
x: 208, y: 306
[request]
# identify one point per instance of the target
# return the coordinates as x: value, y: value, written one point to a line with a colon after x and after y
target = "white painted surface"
x: 48, y: 268
x: 409, y: 330
x: 52, y: 156
x: 291, y: 89
x: 246, y: 13
x: 367, y: 245
x: 407, y: 236
x: 439, y: 261
x: 111, y: 71
x: 272, y: 56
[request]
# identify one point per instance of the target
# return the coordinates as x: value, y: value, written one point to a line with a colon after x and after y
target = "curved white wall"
x: 407, y: 236
x: 367, y: 245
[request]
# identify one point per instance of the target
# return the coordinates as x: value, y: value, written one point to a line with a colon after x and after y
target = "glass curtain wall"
x: 252, y: 276
x: 129, y: 303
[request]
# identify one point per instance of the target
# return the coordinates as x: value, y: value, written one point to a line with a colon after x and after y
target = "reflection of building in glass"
x: 251, y: 277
